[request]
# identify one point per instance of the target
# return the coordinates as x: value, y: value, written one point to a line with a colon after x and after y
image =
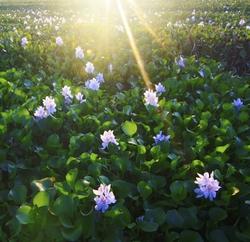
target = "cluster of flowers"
x: 66, y: 92
x: 49, y: 104
x: 150, y: 96
x: 207, y: 188
x: 48, y: 108
x: 94, y: 83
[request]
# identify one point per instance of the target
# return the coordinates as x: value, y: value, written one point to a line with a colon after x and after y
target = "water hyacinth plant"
x: 104, y: 198
x: 151, y: 98
x: 237, y: 103
x: 159, y: 88
x: 66, y: 92
x: 92, y: 84
x: 208, y: 186
x: 79, y: 53
x: 89, y: 68
x: 107, y: 138
x: 24, y: 41
x: 161, y: 138
x: 59, y: 41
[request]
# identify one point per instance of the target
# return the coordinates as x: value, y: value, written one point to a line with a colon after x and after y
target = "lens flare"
x: 133, y: 45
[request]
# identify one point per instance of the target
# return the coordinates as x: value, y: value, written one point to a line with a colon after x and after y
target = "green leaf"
x: 174, y: 218
x: 43, y: 184
x: 53, y: 142
x: 119, y: 214
x: 155, y: 215
x: 18, y: 194
x: 148, y: 226
x: 222, y: 149
x: 217, y: 214
x: 72, y: 234
x: 41, y: 199
x: 141, y: 149
x: 129, y: 128
x: 197, y: 163
x: 178, y: 190
x: 71, y: 177
x: 190, y: 217
x: 64, y: 206
x: 14, y: 227
x: 144, y: 189
x: 24, y: 214
x: 217, y: 236
x: 190, y: 236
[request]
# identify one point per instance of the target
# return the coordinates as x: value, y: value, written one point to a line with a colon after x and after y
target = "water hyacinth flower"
x: 208, y: 186
x: 50, y: 105
x: 160, y: 88
x: 79, y: 97
x: 100, y: 77
x: 24, y: 41
x: 59, y: 41
x: 79, y: 53
x: 92, y: 84
x: 104, y: 198
x: 242, y: 22
x: 41, y: 113
x: 237, y: 103
x: 89, y: 68
x: 161, y: 138
x: 202, y: 73
x: 107, y: 138
x: 181, y: 62
x: 66, y: 92
x: 140, y: 218
x: 151, y: 98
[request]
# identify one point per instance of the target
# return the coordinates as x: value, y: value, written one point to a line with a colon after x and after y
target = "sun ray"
x: 139, y: 14
x: 133, y: 45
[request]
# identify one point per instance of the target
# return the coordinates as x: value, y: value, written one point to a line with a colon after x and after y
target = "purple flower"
x: 100, y: 77
x: 104, y: 197
x: 151, y: 98
x: 140, y: 218
x: 181, y: 62
x: 159, y: 88
x: 50, y: 105
x: 242, y: 22
x: 202, y: 73
x: 41, y: 113
x: 59, y: 41
x: 208, y: 186
x: 89, y: 68
x: 48, y: 108
x: 66, y: 92
x: 161, y: 138
x: 92, y: 84
x: 24, y: 41
x: 108, y: 137
x: 79, y: 53
x: 79, y: 97
x: 237, y: 103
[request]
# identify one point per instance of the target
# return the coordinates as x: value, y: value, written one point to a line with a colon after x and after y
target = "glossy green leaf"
x: 41, y: 199
x: 129, y: 128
